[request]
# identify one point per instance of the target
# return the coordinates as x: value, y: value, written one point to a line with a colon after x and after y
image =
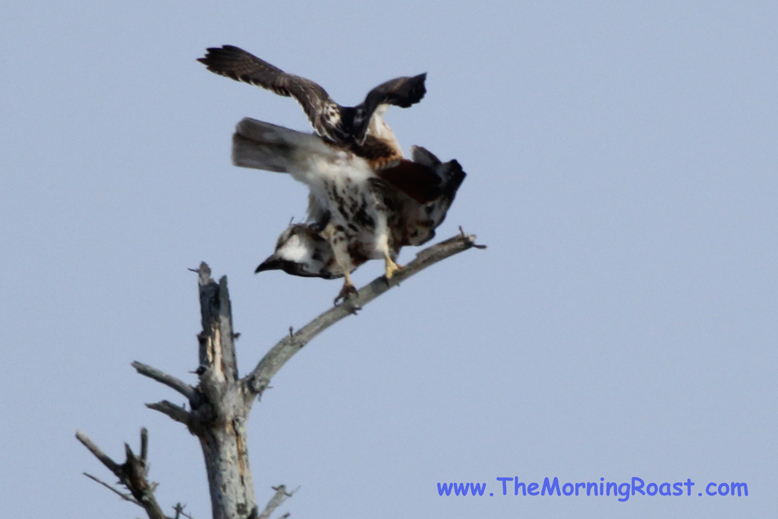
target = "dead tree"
x: 219, y: 405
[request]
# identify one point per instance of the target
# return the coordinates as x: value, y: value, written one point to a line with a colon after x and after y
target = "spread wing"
x: 402, y: 91
x: 330, y: 120
x: 322, y: 111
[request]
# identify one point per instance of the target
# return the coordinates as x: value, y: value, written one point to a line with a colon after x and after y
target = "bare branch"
x: 177, y: 413
x: 169, y: 380
x: 99, y: 454
x: 131, y: 474
x: 126, y: 497
x: 259, y: 378
x: 280, y: 496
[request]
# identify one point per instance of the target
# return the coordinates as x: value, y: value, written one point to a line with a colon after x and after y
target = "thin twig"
x: 144, y: 446
x: 179, y: 509
x: 258, y: 380
x: 126, y: 497
x: 169, y: 380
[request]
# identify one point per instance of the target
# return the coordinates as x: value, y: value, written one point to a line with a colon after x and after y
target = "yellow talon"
x: 391, y: 267
x: 347, y: 290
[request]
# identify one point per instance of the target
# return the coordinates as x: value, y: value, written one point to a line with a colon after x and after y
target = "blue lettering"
x: 579, y: 485
x: 677, y: 490
x: 460, y: 488
x: 624, y: 492
x: 532, y: 489
x: 475, y: 487
x: 522, y: 485
x: 550, y: 487
x: 636, y: 488
x: 689, y: 484
x: 738, y: 486
x: 664, y: 489
x: 564, y: 489
x: 707, y: 489
x: 725, y: 490
x: 608, y: 487
x: 444, y: 489
x: 589, y: 487
x: 504, y: 486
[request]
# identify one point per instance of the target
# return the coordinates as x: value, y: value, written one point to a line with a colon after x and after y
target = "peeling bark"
x: 219, y: 420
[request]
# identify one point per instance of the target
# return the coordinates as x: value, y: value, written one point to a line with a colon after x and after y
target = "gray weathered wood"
x: 221, y: 415
x: 133, y: 474
x: 221, y: 402
x: 169, y: 380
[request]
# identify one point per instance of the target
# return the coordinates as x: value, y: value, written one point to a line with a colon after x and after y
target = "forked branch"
x: 132, y: 474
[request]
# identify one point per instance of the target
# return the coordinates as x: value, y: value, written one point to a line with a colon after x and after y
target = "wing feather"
x: 234, y: 62
x: 402, y: 91
x: 337, y: 123
x: 415, y: 180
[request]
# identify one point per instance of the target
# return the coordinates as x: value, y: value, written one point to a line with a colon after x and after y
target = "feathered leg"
x: 338, y: 239
x: 382, y: 245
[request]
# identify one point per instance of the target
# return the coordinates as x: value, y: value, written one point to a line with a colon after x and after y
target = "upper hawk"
x: 361, y: 128
x: 348, y: 168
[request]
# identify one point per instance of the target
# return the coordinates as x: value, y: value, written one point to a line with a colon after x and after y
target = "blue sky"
x: 621, y: 162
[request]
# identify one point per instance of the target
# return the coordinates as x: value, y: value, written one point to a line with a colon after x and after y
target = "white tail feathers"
x: 261, y: 145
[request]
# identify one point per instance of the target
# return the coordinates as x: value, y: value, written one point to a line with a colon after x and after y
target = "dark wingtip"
x: 419, y: 88
x: 214, y: 55
x: 457, y: 176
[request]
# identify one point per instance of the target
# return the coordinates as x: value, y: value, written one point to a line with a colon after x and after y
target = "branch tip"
x: 205, y: 274
x: 144, y: 445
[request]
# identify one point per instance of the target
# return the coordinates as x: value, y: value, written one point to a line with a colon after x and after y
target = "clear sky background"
x: 621, y: 161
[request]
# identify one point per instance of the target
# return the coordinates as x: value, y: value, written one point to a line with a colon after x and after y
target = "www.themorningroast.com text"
x: 512, y: 486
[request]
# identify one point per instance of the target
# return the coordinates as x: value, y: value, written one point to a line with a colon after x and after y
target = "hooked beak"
x: 272, y: 263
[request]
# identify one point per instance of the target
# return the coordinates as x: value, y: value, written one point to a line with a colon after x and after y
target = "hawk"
x: 360, y: 129
x: 371, y: 218
x: 348, y: 167
x: 301, y: 250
